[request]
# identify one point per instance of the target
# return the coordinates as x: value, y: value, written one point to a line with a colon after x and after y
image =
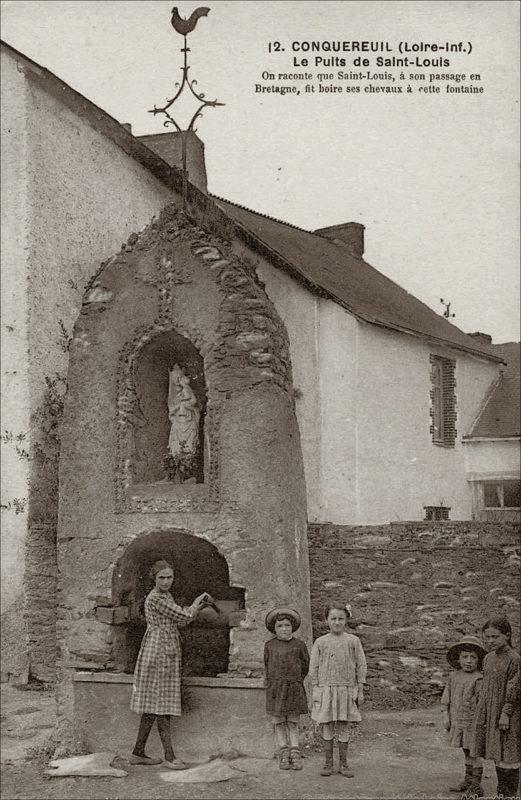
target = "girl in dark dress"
x: 497, y: 729
x: 286, y: 660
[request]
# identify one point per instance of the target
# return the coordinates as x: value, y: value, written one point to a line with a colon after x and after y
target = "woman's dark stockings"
x: 145, y: 726
x: 164, y: 727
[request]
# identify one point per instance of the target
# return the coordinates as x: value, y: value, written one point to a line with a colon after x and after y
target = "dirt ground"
x: 394, y: 755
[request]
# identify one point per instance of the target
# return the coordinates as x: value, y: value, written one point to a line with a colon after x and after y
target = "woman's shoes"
x: 175, y: 764
x: 145, y: 760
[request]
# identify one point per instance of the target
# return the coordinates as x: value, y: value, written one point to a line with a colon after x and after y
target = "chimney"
x: 127, y: 126
x: 169, y: 147
x: 482, y: 338
x: 349, y: 234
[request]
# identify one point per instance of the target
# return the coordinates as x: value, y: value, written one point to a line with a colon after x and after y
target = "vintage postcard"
x: 260, y: 399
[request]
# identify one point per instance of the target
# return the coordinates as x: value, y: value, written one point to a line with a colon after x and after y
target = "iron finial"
x: 184, y: 27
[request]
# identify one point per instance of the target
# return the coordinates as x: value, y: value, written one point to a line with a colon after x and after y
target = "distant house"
x: 385, y: 389
x: 492, y: 447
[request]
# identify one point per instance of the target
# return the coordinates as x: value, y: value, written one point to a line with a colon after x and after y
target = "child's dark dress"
x: 287, y: 664
x: 500, y: 693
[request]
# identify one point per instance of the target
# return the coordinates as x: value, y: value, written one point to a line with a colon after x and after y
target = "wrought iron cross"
x: 184, y: 27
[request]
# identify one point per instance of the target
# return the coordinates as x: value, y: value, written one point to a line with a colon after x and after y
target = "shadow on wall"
x: 198, y: 567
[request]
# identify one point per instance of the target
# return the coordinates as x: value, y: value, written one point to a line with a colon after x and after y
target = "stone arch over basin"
x: 198, y: 566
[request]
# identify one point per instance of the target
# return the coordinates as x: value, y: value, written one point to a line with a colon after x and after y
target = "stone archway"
x: 198, y: 566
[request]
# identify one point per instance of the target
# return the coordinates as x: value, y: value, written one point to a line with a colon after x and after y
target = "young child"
x: 459, y: 703
x: 338, y: 671
x: 496, y: 735
x: 286, y: 660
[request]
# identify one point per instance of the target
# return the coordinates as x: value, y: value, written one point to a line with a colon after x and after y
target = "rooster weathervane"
x: 184, y: 27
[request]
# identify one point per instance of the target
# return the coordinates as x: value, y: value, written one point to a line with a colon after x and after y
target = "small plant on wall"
x: 17, y: 504
x: 181, y: 467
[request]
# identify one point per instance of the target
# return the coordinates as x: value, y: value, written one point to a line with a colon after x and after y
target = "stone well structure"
x: 234, y: 524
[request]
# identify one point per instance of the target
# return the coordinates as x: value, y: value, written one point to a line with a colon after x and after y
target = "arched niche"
x: 198, y: 567
x: 151, y: 367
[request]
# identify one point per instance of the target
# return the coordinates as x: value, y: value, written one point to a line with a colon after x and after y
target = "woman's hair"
x: 156, y: 567
x: 501, y: 624
x: 345, y: 607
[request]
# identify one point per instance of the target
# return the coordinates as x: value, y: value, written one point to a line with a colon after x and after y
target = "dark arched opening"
x: 198, y: 566
x: 151, y: 429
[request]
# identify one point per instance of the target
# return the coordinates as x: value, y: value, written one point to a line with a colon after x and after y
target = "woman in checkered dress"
x: 156, y: 693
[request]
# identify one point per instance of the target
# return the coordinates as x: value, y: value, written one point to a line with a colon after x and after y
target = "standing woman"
x: 156, y: 693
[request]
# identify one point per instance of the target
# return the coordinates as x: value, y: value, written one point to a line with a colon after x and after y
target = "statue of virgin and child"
x: 184, y: 415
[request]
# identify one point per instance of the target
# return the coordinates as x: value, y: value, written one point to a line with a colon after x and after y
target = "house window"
x: 502, y: 494
x: 443, y: 401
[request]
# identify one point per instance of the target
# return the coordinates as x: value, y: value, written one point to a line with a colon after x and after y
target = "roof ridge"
x: 465, y: 343
x: 55, y: 77
x: 260, y: 214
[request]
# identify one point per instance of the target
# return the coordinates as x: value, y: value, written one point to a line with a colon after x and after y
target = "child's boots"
x: 344, y: 769
x: 465, y: 783
x: 507, y: 782
x: 475, y: 789
x: 512, y: 783
x: 284, y: 762
x: 295, y: 758
x: 327, y: 769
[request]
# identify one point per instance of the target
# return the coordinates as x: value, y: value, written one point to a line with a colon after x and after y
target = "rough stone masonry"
x: 415, y: 589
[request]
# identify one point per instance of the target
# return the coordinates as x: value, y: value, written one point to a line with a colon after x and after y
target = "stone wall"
x: 54, y: 234
x: 415, y: 589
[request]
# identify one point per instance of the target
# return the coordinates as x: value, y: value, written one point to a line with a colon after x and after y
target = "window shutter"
x: 443, y: 400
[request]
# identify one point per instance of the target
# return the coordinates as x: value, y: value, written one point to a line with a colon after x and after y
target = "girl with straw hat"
x: 286, y: 661
x: 459, y: 702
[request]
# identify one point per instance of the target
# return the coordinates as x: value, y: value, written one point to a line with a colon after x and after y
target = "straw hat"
x: 290, y: 613
x: 466, y: 643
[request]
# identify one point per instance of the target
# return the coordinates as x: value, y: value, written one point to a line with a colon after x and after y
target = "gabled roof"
x: 332, y: 270
x: 324, y: 267
x: 500, y: 416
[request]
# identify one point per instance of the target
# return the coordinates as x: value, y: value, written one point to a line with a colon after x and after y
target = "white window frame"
x: 501, y: 495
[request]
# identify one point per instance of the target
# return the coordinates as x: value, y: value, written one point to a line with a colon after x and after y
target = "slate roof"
x: 332, y: 270
x: 500, y: 418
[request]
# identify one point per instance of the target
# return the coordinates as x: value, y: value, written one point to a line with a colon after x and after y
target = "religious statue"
x: 184, y: 415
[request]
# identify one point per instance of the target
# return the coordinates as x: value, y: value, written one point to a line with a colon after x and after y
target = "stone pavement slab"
x: 212, y: 772
x: 91, y: 765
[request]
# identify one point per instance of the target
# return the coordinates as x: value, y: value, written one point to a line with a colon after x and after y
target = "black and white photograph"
x: 260, y: 363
